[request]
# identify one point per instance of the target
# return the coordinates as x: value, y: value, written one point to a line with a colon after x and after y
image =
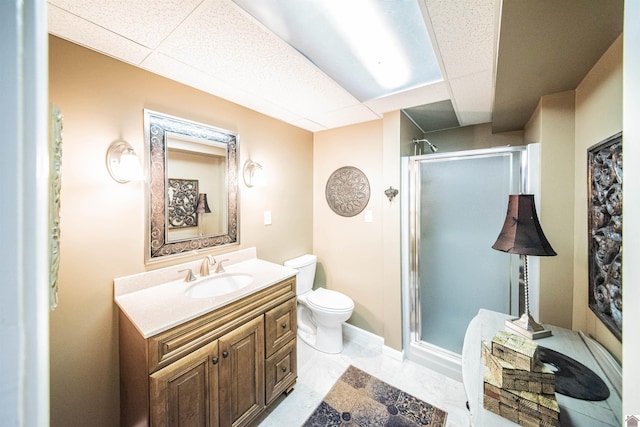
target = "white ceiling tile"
x: 268, y: 108
x: 146, y: 22
x: 465, y: 33
x: 423, y: 95
x: 356, y: 113
x: 169, y: 67
x: 309, y: 125
x: 219, y: 40
x: 473, y: 95
x: 71, y: 27
x: 175, y: 70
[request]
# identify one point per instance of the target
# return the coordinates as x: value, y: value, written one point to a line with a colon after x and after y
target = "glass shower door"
x: 460, y: 209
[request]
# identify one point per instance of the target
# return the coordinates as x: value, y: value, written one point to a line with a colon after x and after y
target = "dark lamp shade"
x: 203, y: 206
x: 521, y: 232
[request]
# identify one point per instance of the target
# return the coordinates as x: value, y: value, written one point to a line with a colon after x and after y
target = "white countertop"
x: 155, y: 301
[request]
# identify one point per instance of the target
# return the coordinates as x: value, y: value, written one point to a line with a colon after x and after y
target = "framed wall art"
x: 182, y: 195
x: 347, y: 191
x: 605, y: 231
x: 55, y: 184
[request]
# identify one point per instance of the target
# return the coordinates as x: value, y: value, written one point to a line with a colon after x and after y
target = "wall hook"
x: 390, y: 193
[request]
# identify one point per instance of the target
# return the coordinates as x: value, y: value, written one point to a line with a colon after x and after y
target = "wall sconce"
x: 253, y: 174
x: 390, y: 193
x: 122, y: 162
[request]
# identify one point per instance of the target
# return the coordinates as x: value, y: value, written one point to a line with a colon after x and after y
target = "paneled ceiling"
x: 216, y: 47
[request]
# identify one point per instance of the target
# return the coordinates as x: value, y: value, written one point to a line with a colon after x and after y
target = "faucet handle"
x: 189, y: 277
x: 219, y: 268
x: 207, y: 262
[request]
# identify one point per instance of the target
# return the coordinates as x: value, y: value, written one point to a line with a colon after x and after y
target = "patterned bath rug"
x: 359, y: 399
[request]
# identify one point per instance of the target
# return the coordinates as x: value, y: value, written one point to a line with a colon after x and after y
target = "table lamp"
x: 522, y: 234
x: 202, y: 208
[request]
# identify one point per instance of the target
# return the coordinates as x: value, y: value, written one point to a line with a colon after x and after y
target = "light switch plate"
x: 368, y: 215
x: 267, y: 217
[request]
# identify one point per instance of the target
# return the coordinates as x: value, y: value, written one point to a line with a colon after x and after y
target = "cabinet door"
x: 280, y: 326
x: 241, y: 369
x: 185, y: 393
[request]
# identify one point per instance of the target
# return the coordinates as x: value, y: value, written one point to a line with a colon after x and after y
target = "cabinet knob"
x: 284, y: 326
x: 214, y: 360
x: 225, y: 354
x: 284, y: 369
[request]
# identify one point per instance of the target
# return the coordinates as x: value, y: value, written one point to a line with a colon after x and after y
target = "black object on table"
x: 574, y: 379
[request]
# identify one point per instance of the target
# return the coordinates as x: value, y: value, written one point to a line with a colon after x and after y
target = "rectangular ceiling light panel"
x: 372, y: 48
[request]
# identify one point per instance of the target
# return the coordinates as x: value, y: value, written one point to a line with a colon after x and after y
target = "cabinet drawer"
x: 280, y: 326
x: 281, y: 371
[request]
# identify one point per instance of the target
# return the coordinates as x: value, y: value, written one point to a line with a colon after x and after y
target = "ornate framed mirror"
x: 192, y: 176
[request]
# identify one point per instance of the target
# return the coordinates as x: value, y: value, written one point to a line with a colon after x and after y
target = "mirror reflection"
x: 196, y: 189
x: 192, y: 173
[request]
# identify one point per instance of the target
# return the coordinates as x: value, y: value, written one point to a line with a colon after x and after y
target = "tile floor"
x: 317, y: 372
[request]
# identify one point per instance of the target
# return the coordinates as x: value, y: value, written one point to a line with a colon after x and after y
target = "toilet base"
x: 326, y: 340
x: 320, y: 329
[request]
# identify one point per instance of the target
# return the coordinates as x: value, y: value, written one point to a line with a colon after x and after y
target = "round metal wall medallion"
x: 347, y: 191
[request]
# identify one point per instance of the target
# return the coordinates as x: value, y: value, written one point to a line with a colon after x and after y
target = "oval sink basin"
x: 220, y: 284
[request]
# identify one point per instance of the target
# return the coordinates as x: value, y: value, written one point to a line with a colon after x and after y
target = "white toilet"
x: 320, y: 312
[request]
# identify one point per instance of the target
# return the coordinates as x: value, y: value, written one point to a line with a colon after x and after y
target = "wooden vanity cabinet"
x: 185, y: 393
x: 218, y: 370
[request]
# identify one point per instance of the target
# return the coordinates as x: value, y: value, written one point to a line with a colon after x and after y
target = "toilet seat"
x: 329, y: 301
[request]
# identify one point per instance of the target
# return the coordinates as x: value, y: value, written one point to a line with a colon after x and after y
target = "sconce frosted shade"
x: 122, y: 162
x: 203, y: 206
x: 253, y: 174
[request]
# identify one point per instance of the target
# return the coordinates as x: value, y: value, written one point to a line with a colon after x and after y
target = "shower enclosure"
x: 453, y: 213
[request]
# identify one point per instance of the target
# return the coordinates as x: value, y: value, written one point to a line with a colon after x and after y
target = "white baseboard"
x: 393, y: 353
x: 360, y: 336
x: 438, y: 359
x: 366, y: 338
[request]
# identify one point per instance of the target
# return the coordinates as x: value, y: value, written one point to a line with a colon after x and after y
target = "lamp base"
x: 525, y: 325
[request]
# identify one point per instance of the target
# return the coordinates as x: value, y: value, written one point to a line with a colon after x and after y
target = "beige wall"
x: 598, y: 116
x: 552, y: 125
x: 567, y: 124
x: 408, y: 132
x: 350, y: 250
x: 102, y: 222
x: 393, y: 126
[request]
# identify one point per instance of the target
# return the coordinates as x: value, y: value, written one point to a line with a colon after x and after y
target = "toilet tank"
x: 306, y: 266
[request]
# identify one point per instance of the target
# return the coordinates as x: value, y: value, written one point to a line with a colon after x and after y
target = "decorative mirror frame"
x: 156, y: 127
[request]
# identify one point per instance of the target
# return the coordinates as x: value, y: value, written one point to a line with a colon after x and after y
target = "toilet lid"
x: 330, y: 300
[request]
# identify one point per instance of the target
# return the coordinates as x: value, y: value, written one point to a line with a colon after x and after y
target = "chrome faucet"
x: 219, y: 268
x: 190, y: 277
x: 207, y: 262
